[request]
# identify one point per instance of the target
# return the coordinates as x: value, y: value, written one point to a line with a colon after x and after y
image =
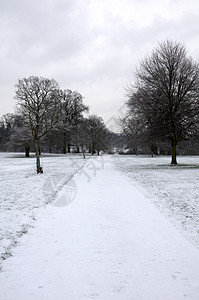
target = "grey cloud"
x: 42, y: 25
x: 56, y: 39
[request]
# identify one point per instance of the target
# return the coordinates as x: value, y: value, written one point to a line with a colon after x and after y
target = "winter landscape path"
x: 110, y: 243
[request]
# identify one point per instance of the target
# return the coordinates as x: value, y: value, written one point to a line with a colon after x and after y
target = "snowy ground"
x: 174, y: 189
x: 22, y: 192
x: 101, y: 237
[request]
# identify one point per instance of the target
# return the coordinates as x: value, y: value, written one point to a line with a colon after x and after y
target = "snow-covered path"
x: 110, y: 243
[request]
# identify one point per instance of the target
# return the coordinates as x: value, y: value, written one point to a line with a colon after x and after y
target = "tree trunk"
x: 37, y: 150
x: 83, y: 151
x: 64, y: 142
x: 64, y: 150
x: 69, y: 147
x: 27, y: 149
x: 173, y: 153
x: 93, y: 149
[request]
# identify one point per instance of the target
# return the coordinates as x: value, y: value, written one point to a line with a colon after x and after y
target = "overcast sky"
x: 91, y: 46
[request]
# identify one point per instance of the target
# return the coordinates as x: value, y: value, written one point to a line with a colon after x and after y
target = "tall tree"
x: 20, y: 139
x: 98, y: 134
x: 135, y: 132
x: 64, y: 124
x: 8, y: 123
x: 82, y: 135
x: 72, y: 109
x: 165, y: 94
x: 3, y: 137
x: 39, y: 103
x: 76, y: 118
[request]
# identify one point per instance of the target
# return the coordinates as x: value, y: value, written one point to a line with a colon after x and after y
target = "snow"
x: 22, y: 192
x: 104, y: 236
x: 173, y: 189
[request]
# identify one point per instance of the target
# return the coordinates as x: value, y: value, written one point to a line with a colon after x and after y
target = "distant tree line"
x: 52, y: 120
x: 163, y: 101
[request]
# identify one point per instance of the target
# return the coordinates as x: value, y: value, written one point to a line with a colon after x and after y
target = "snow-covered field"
x: 24, y: 194
x: 111, y: 242
x: 174, y: 189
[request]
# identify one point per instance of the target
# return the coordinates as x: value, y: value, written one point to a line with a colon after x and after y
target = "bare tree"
x: 76, y: 117
x: 9, y: 124
x: 135, y: 131
x: 165, y: 94
x: 72, y: 109
x: 82, y: 135
x: 64, y: 121
x: 4, y: 134
x: 98, y: 134
x: 20, y: 139
x: 39, y: 104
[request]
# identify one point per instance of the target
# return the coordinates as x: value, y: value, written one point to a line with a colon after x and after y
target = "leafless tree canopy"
x: 39, y: 103
x: 55, y: 116
x: 37, y: 97
x: 165, y: 94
